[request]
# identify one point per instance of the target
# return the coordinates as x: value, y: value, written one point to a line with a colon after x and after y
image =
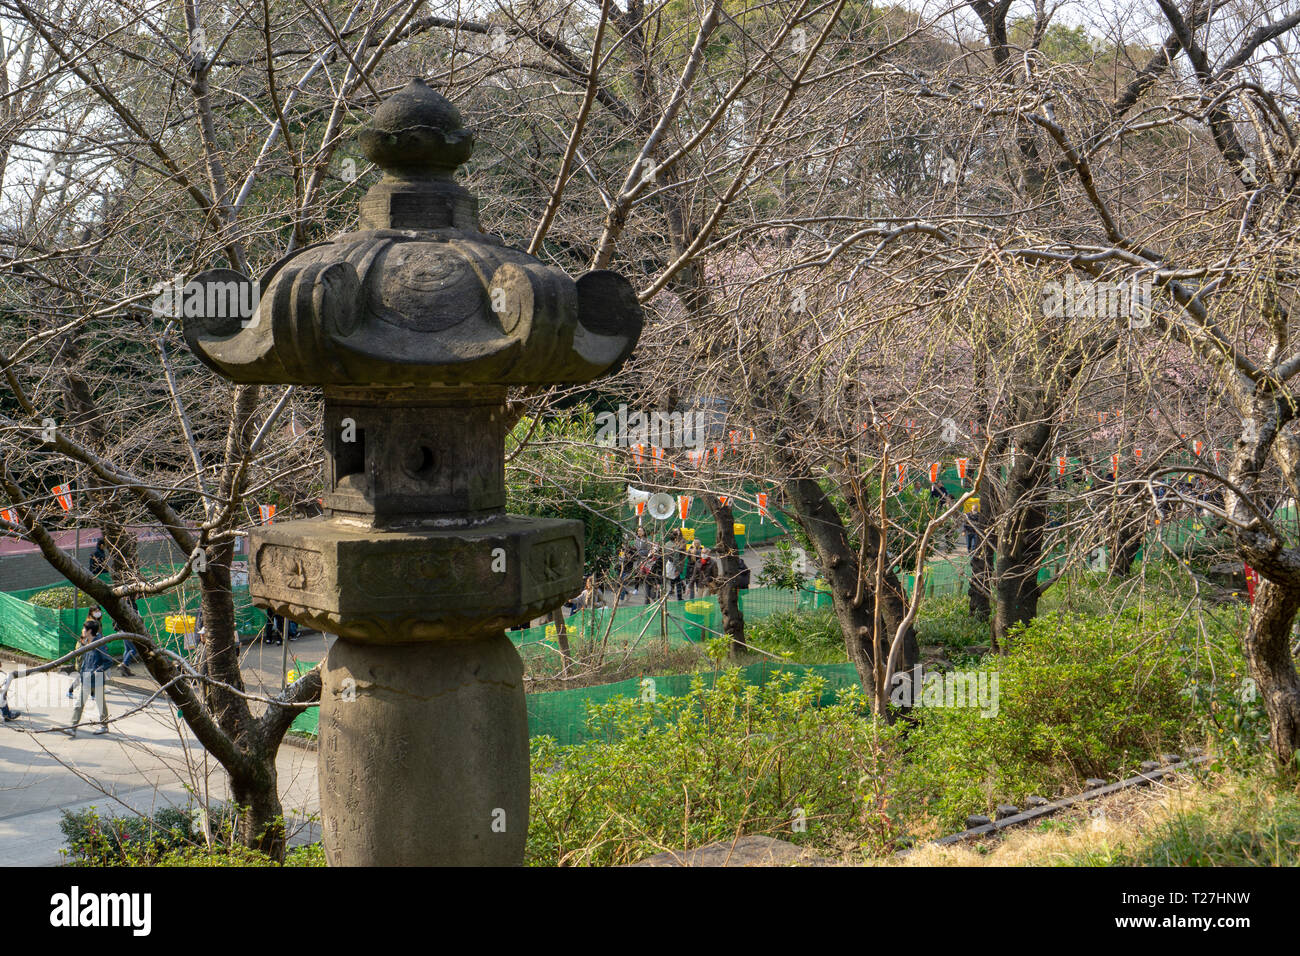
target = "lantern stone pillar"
x: 414, y: 325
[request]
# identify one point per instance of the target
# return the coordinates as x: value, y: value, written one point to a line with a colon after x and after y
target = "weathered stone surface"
x: 1092, y: 783
x: 394, y: 587
x: 1005, y: 810
x: 747, y: 851
x: 424, y: 754
x: 420, y: 296
x: 399, y: 457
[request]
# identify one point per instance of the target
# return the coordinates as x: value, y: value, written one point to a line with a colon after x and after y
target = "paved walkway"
x: 149, y: 760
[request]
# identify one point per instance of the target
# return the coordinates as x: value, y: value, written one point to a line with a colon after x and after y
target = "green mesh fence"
x: 48, y: 633
x: 562, y: 714
x: 632, y: 625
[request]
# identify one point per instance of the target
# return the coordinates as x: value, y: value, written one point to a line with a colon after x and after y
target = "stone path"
x: 149, y: 760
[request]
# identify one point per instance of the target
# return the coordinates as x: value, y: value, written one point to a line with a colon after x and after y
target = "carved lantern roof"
x: 418, y: 295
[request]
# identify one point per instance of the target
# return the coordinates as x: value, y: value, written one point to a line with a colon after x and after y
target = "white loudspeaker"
x: 661, y: 506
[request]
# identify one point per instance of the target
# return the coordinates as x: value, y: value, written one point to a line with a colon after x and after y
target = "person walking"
x: 650, y: 571
x: 130, y: 654
x: 91, y: 675
x: 742, y: 576
x: 689, y: 566
x: 673, y: 573
x: 624, y: 562
x: 5, y: 711
x: 98, y: 558
x: 271, y: 633
x: 704, y: 571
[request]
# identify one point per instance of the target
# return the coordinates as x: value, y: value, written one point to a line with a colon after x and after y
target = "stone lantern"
x: 414, y: 325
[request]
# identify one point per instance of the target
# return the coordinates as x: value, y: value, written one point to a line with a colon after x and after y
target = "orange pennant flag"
x: 64, y: 495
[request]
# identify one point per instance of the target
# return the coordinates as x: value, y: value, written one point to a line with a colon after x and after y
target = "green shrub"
x: 112, y: 841
x: 805, y: 637
x: 60, y: 598
x: 785, y: 567
x: 312, y: 854
x: 1076, y: 698
x: 946, y: 622
x: 171, y: 837
x: 681, y: 772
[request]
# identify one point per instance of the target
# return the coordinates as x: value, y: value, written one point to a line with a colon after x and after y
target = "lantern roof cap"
x: 417, y: 130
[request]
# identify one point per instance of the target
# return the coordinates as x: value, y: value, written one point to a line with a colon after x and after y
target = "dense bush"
x: 1077, y: 697
x: 681, y: 772
x: 808, y: 637
x: 785, y: 567
x: 946, y: 622
x: 61, y: 598
x: 312, y: 854
x: 170, y: 837
x: 111, y: 841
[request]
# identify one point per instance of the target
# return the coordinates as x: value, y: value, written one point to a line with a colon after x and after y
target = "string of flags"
x: 1062, y: 464
x: 643, y: 453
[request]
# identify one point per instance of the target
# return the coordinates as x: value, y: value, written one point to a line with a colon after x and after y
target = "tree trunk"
x: 1016, y: 590
x: 261, y: 817
x: 852, y: 594
x: 733, y: 621
x: 1022, y: 526
x: 1128, y: 536
x: 1268, y: 651
x: 982, y: 561
x: 561, y: 638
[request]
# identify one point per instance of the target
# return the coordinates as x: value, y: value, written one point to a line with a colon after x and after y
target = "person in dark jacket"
x: 742, y: 576
x: 98, y: 558
x: 5, y: 710
x: 90, y: 676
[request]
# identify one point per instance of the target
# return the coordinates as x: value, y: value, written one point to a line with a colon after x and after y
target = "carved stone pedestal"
x: 450, y: 714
